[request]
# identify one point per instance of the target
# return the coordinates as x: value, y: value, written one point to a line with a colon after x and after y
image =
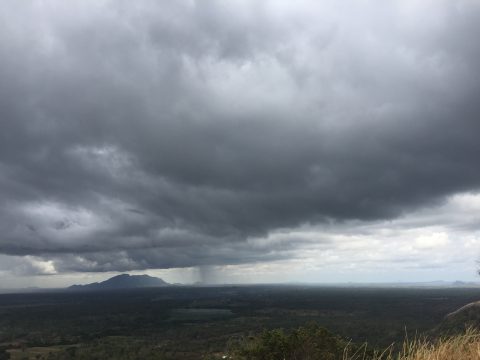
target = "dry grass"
x: 461, y: 347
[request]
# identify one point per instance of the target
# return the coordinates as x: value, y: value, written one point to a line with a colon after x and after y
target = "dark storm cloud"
x: 171, y: 134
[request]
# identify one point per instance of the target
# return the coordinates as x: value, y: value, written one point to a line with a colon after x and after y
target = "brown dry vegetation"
x: 460, y: 347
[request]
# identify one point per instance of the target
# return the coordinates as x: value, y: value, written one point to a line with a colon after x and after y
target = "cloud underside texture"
x: 165, y: 134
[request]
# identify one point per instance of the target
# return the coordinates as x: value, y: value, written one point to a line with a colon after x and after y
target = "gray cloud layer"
x: 170, y: 134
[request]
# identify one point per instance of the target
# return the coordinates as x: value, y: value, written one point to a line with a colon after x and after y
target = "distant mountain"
x: 123, y: 281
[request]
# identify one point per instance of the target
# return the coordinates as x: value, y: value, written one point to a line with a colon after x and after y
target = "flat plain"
x: 188, y: 322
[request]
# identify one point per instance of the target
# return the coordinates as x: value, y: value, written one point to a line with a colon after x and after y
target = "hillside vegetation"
x: 315, y: 343
x: 459, y: 347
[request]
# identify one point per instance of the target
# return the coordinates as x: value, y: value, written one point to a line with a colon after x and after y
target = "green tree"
x: 305, y: 343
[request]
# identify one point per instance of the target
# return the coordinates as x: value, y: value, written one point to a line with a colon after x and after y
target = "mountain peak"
x: 123, y: 281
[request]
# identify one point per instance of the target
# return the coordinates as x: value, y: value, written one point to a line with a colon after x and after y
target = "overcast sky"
x: 239, y: 141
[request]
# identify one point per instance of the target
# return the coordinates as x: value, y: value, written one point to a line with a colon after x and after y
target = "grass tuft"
x: 460, y: 347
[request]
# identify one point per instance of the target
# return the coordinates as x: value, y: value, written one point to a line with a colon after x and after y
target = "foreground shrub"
x: 310, y: 342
